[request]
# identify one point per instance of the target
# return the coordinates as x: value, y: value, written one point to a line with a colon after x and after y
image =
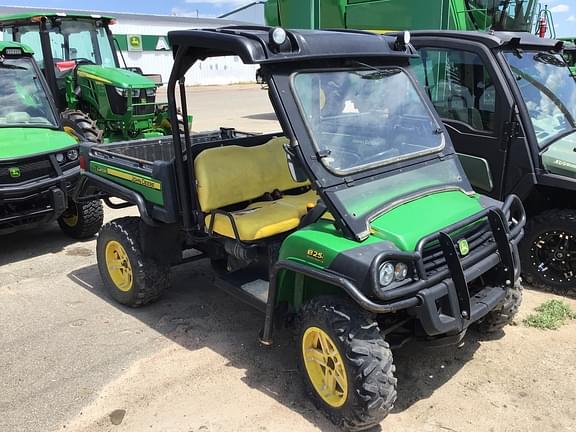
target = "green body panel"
x: 402, y: 225
x: 9, y: 44
x: 385, y: 15
x: 25, y: 142
x: 560, y: 158
x: 148, y: 187
x: 319, y: 244
x: 116, y: 77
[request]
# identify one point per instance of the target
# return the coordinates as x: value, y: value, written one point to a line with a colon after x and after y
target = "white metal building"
x: 143, y: 43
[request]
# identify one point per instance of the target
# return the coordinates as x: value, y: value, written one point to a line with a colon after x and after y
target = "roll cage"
x: 301, y: 50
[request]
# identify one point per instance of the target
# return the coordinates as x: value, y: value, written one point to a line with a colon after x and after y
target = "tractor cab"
x: 78, y: 57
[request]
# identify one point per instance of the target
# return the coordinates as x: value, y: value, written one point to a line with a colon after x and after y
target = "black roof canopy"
x: 253, y: 44
x: 492, y: 39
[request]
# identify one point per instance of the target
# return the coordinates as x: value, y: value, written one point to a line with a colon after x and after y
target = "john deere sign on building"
x: 134, y: 42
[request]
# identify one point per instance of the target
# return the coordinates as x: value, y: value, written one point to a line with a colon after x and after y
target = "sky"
x: 564, y: 10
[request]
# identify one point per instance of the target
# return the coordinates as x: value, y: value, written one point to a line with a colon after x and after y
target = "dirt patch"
x: 521, y: 380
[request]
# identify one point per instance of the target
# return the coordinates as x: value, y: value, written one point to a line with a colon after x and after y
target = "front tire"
x: 130, y: 278
x: 81, y: 126
x: 504, y: 314
x: 548, y: 251
x: 82, y: 220
x: 347, y: 366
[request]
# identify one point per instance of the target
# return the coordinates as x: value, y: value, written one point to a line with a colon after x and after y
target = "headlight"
x: 151, y: 92
x: 121, y: 91
x: 60, y: 157
x: 400, y: 271
x: 72, y: 155
x: 386, y: 274
x: 124, y: 92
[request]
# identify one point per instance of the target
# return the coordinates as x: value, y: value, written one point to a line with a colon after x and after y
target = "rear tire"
x: 548, y: 251
x: 355, y: 372
x: 80, y: 125
x: 130, y: 278
x: 82, y: 220
x: 504, y: 314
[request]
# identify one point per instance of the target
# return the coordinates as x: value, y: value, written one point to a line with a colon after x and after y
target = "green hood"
x: 25, y: 142
x: 408, y: 223
x: 560, y: 157
x: 114, y: 76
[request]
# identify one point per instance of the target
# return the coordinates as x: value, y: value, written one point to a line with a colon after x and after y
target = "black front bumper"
x: 35, y: 202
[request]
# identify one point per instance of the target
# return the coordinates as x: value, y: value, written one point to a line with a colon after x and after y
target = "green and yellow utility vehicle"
x: 80, y: 62
x: 355, y: 222
x: 39, y: 165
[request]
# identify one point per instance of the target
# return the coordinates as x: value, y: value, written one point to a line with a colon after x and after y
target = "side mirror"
x: 297, y: 173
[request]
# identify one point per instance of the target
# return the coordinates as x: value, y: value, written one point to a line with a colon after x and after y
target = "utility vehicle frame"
x: 39, y: 165
x: 508, y: 101
x: 321, y: 225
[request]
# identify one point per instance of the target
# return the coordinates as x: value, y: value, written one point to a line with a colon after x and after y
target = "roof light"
x: 61, y: 14
x: 38, y: 19
x: 278, y: 35
x: 113, y: 21
x: 13, y: 51
x: 402, y: 40
x: 96, y: 16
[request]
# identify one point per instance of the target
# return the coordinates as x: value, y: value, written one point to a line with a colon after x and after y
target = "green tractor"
x: 39, y: 160
x: 78, y: 58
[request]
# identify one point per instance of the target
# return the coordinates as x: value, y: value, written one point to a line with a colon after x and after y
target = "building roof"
x: 171, y: 20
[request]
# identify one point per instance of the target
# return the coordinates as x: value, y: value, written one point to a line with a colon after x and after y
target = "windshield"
x: 23, y: 100
x: 360, y: 119
x: 502, y: 15
x: 549, y: 96
x: 81, y: 40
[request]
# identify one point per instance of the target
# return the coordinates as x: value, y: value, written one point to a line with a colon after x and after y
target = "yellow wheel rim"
x: 325, y: 367
x: 118, y: 265
x: 70, y: 217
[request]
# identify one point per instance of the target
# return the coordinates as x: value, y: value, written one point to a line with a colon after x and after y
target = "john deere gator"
x: 354, y: 224
x: 39, y: 165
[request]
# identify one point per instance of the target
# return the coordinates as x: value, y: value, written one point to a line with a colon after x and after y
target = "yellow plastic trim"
x: 325, y: 367
x: 118, y: 265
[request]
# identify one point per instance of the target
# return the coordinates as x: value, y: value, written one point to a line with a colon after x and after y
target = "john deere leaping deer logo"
x: 14, y: 172
x: 463, y: 247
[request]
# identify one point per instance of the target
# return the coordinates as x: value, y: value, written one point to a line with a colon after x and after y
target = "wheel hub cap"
x: 553, y: 254
x: 118, y: 265
x: 325, y: 367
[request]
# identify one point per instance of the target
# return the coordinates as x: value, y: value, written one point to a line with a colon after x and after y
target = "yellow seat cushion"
x: 234, y: 174
x: 264, y: 219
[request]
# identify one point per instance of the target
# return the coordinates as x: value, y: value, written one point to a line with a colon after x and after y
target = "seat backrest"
x: 234, y: 174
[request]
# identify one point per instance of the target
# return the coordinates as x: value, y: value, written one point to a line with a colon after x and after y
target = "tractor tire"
x: 130, y: 278
x: 347, y: 366
x: 80, y: 125
x: 82, y: 220
x: 548, y: 251
x: 504, y: 314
